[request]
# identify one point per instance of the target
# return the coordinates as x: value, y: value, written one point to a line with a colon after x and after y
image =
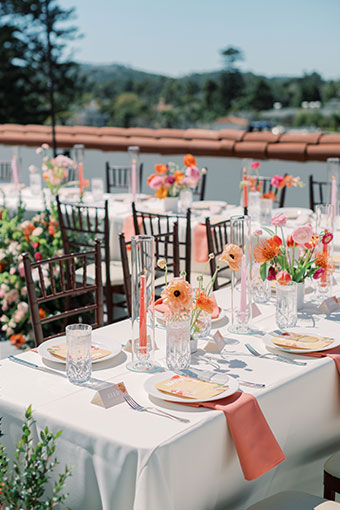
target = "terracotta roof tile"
x: 288, y: 151
x: 226, y: 142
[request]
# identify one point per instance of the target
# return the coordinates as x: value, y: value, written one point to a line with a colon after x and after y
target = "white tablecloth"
x: 122, y: 459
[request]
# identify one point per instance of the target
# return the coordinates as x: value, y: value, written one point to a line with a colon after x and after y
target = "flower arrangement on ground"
x: 303, y: 254
x: 169, y: 180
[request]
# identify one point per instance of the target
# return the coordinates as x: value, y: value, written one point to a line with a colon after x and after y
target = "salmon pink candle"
x: 245, y: 192
x: 243, y: 301
x: 81, y: 178
x: 142, y: 316
x: 15, y: 171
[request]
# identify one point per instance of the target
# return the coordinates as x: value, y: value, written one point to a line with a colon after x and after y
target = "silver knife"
x: 202, y: 376
x: 37, y: 367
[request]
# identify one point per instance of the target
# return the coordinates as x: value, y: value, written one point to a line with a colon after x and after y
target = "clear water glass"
x: 261, y: 290
x: 97, y: 186
x: 178, y: 355
x: 286, y: 305
x: 254, y: 205
x: 324, y: 288
x: 266, y: 207
x: 185, y: 200
x: 35, y: 184
x: 78, y: 360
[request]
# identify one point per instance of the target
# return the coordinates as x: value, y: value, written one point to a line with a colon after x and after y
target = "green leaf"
x: 264, y: 271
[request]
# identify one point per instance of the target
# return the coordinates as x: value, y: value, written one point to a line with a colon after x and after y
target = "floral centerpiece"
x: 169, y: 180
x: 301, y: 255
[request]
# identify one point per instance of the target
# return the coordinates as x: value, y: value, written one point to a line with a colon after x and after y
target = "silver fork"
x: 274, y: 356
x: 153, y: 410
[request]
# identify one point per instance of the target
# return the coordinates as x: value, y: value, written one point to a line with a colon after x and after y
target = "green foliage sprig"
x: 24, y: 484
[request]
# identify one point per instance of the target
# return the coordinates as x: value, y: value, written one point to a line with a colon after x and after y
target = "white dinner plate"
x: 151, y: 389
x: 269, y: 343
x: 208, y: 204
x: 293, y: 212
x: 109, y: 344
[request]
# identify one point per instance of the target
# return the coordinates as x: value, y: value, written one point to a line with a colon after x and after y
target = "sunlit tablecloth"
x: 122, y: 459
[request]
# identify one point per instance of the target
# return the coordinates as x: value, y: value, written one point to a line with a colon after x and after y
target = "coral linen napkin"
x: 200, y: 243
x: 129, y: 228
x: 330, y: 353
x: 257, y: 449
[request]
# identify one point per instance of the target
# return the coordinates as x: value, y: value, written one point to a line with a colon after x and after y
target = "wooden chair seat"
x: 116, y: 273
x: 293, y: 500
x: 332, y: 465
x: 331, y: 476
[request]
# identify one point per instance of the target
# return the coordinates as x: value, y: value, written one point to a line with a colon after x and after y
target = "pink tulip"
x: 255, y: 165
x: 283, y: 278
x: 279, y: 220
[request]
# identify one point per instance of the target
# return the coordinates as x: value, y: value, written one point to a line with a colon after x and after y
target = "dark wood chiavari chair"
x: 63, y: 285
x: 319, y: 192
x: 267, y: 187
x: 199, y: 192
x: 5, y: 171
x: 166, y: 247
x: 118, y: 178
x: 79, y: 224
x: 218, y: 235
x: 150, y: 223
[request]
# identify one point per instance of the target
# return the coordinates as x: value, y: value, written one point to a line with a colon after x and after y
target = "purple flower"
x: 271, y: 274
x: 318, y: 273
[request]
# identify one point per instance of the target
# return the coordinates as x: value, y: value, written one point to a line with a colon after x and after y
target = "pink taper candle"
x: 134, y: 180
x: 142, y: 316
x: 334, y: 192
x: 81, y: 178
x: 243, y: 301
x: 15, y: 171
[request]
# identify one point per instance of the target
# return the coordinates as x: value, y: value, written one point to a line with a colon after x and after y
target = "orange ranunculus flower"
x: 42, y: 313
x: 270, y: 195
x: 161, y: 169
x: 203, y: 301
x: 162, y: 192
x: 189, y: 160
x: 17, y: 340
x: 52, y: 227
x: 149, y: 179
x: 177, y: 295
x: 28, y: 230
x: 232, y: 254
x: 283, y: 278
x: 267, y: 250
x: 179, y: 176
x: 287, y: 181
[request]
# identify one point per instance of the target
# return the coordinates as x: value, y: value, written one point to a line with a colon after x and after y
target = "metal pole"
x: 50, y: 76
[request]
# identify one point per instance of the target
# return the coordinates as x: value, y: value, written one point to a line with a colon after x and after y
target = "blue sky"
x: 176, y: 37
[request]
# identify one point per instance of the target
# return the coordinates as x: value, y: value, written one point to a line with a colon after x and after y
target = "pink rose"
x: 21, y: 270
x: 277, y: 181
x: 169, y: 181
x: 279, y: 220
x: 38, y: 256
x: 156, y: 182
x: 193, y: 173
x: 255, y: 165
x: 303, y: 234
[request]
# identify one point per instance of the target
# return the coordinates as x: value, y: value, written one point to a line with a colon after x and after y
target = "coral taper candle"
x: 81, y: 178
x: 245, y: 192
x: 15, y: 174
x: 334, y: 194
x: 134, y: 180
x: 142, y: 315
x: 243, y: 301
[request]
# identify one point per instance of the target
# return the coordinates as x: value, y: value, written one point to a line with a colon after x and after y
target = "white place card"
x: 217, y: 344
x: 109, y: 396
x: 255, y: 311
x: 329, y: 305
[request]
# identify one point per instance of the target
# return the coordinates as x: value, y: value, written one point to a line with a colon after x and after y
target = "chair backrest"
x: 166, y: 247
x: 53, y: 281
x: 319, y: 192
x: 218, y: 235
x: 5, y: 171
x: 119, y: 177
x: 267, y: 187
x: 78, y: 224
x: 199, y: 192
x: 153, y: 223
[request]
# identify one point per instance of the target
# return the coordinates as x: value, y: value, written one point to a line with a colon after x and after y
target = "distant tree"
x: 231, y: 80
x: 260, y: 96
x: 29, y: 20
x: 310, y: 88
x: 127, y: 108
x: 210, y: 94
x: 331, y: 90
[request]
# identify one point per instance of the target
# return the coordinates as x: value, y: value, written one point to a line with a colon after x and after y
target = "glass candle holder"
x: 325, y: 220
x: 266, y: 207
x: 97, y: 186
x: 35, y: 184
x: 324, y: 288
x: 185, y: 200
x: 261, y: 290
x: 178, y: 354
x: 241, y: 297
x: 78, y: 359
x: 142, y: 304
x: 286, y: 305
x: 134, y: 174
x: 254, y: 205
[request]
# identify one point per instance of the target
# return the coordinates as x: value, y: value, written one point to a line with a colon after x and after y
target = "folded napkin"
x: 329, y: 353
x: 129, y: 228
x: 200, y: 243
x: 257, y: 449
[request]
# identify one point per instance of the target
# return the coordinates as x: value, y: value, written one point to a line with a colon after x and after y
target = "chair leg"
x: 331, y: 486
x: 109, y: 304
